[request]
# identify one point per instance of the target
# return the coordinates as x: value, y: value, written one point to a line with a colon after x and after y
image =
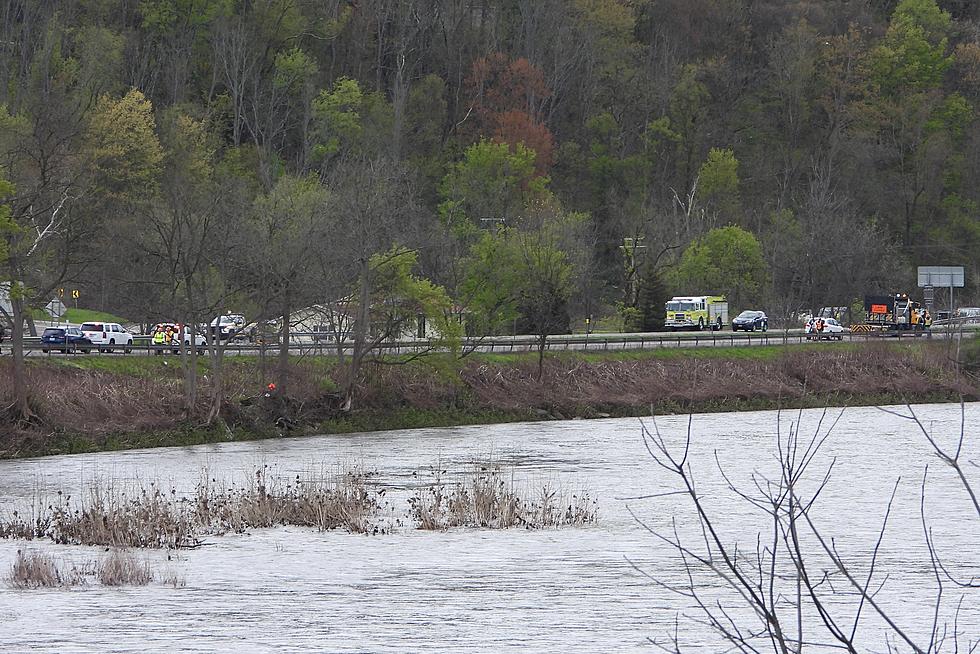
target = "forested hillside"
x: 528, y: 162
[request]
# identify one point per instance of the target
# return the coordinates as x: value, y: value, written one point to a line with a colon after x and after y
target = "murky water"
x: 568, y: 590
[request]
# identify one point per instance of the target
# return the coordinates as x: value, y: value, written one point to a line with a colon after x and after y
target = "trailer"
x: 897, y: 312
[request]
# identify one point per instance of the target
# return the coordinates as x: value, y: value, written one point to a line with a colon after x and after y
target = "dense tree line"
x: 170, y: 157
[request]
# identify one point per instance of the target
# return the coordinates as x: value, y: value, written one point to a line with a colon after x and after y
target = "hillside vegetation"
x: 494, y: 166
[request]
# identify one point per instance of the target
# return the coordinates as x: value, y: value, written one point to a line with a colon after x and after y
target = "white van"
x: 107, y: 335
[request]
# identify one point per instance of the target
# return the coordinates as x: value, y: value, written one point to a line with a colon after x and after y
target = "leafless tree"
x: 793, y: 589
x: 373, y: 206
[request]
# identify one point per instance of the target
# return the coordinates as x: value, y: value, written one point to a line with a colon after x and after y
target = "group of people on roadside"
x: 921, y: 319
x: 166, y: 335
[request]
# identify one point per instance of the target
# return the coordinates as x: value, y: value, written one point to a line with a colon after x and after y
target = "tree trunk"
x: 21, y: 401
x: 189, y: 360
x: 283, y: 373
x: 542, y: 344
x: 360, y: 336
x: 217, y: 357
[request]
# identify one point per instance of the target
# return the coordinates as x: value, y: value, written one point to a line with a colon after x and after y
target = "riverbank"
x: 97, y: 403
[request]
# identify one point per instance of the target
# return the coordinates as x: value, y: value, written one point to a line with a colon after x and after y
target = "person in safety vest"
x: 159, y: 338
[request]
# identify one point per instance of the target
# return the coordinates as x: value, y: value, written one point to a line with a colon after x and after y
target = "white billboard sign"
x: 941, y: 276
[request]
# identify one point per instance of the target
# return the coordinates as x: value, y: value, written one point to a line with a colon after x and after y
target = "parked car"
x: 967, y: 314
x: 750, y: 321
x: 107, y: 336
x: 172, y: 330
x: 824, y: 329
x: 229, y: 326
x: 65, y: 340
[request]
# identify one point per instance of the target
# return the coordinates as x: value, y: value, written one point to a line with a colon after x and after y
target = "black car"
x: 65, y: 339
x: 750, y: 321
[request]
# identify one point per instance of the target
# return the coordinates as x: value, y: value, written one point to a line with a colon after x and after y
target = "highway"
x: 309, y: 345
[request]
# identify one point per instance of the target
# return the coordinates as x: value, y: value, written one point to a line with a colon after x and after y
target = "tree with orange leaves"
x: 508, y: 95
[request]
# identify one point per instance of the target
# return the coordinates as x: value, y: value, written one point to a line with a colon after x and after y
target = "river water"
x: 469, y: 590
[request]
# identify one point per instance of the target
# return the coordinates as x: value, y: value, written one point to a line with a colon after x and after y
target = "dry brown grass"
x: 568, y: 383
x: 488, y: 500
x: 122, y: 568
x: 99, y: 397
x: 321, y: 501
x: 148, y: 517
x: 39, y: 570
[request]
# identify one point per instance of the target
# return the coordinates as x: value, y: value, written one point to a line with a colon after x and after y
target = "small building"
x: 6, y: 308
x: 335, y: 322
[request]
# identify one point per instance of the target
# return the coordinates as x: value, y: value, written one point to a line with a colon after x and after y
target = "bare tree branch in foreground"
x: 793, y: 590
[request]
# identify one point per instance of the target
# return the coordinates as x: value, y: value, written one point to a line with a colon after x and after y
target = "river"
x: 468, y: 590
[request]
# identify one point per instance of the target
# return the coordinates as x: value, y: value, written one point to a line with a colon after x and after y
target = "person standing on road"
x: 159, y: 339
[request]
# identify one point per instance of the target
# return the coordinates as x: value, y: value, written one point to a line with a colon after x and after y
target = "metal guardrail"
x: 305, y: 343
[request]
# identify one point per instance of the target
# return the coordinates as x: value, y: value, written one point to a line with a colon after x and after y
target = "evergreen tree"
x: 651, y: 300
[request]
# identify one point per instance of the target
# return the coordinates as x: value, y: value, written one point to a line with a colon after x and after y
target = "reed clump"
x: 40, y: 570
x: 146, y: 518
x: 487, y: 499
x: 32, y: 570
x: 324, y: 502
x: 122, y: 568
x: 149, y: 517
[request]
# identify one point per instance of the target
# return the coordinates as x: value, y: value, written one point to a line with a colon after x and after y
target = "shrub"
x: 122, y: 568
x: 40, y: 570
x: 488, y: 501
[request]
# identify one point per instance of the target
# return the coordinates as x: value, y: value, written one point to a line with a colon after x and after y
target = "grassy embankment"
x: 78, y: 316
x: 87, y: 403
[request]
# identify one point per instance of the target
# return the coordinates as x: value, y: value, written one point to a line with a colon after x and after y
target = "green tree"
x: 908, y: 120
x: 338, y: 118
x: 520, y: 277
x: 726, y: 260
x: 718, y: 181
x: 653, y: 297
x: 400, y: 298
x: 126, y: 154
x: 347, y: 120
x: 7, y: 225
x: 913, y: 55
x: 494, y: 183
x: 390, y: 300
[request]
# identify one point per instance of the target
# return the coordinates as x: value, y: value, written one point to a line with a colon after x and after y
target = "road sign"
x: 56, y: 308
x: 74, y: 293
x: 943, y: 276
x: 61, y: 292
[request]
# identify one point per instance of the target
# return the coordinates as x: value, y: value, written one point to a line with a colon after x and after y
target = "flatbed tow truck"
x: 894, y: 315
